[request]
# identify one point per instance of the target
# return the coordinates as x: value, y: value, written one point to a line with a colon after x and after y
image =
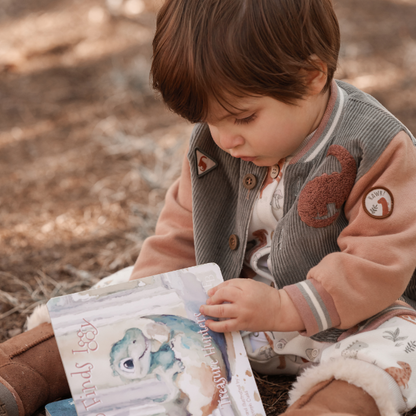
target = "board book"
x: 61, y: 408
x: 142, y: 348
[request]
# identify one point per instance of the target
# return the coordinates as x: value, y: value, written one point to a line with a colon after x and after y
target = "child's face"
x: 267, y: 130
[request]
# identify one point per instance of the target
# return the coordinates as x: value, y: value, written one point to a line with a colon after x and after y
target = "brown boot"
x: 31, y: 372
x: 334, y: 398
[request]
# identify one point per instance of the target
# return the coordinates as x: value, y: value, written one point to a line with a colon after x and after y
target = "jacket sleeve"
x: 377, y: 255
x: 172, y: 246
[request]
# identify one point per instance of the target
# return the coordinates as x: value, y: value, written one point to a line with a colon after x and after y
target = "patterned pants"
x: 378, y: 356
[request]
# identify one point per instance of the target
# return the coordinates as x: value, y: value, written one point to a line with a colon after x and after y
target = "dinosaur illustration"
x: 409, y: 318
x: 173, y: 351
x: 384, y: 205
x: 401, y: 375
x: 201, y: 164
x: 276, y: 197
x: 352, y: 350
x: 323, y: 191
x: 259, y: 241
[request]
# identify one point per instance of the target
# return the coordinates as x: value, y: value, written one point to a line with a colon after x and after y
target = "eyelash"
x: 246, y: 120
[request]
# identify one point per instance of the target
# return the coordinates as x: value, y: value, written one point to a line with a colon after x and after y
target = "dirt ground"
x: 87, y: 151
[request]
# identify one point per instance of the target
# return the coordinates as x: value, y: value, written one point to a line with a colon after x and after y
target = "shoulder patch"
x: 378, y: 202
x: 204, y: 163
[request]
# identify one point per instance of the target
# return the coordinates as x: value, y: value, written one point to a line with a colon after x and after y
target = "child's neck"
x: 319, y: 105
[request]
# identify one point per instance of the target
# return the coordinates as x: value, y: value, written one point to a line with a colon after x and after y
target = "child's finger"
x: 225, y: 310
x: 212, y: 291
x: 215, y: 289
x: 221, y: 326
x: 225, y: 294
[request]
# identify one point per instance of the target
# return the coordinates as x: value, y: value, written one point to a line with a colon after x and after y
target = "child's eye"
x: 245, y: 120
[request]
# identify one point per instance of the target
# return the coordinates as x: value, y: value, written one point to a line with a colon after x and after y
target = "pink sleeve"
x: 172, y: 246
x: 377, y: 253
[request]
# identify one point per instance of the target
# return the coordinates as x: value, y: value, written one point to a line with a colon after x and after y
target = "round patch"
x: 378, y: 202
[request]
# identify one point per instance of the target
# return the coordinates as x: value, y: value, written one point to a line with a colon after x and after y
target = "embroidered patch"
x: 378, y: 202
x: 204, y: 163
x: 321, y: 199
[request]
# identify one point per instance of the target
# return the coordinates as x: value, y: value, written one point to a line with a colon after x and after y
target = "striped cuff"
x: 315, y: 306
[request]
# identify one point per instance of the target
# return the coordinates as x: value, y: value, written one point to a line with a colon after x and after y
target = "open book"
x: 142, y: 348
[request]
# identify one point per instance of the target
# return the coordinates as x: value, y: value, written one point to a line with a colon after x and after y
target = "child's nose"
x: 229, y: 139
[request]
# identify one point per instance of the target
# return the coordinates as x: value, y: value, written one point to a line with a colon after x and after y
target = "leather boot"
x: 334, y: 398
x: 31, y: 372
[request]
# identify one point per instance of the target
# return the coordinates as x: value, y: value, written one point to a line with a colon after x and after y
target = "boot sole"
x: 10, y: 403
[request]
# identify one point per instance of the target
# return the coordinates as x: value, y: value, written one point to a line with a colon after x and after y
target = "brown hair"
x: 217, y: 49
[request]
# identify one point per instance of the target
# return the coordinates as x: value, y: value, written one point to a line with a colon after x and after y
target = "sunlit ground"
x: 87, y: 151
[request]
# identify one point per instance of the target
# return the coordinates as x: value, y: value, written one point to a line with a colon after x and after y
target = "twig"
x: 8, y: 298
x: 278, y: 399
x: 268, y: 382
x: 42, y: 287
x: 17, y: 280
x: 9, y: 312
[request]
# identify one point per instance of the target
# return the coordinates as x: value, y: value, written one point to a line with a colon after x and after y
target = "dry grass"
x: 87, y: 152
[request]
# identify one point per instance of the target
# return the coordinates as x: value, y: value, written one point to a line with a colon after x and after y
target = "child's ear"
x: 317, y: 78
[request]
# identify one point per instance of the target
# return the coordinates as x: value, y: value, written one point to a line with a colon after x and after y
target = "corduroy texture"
x: 368, y: 134
x: 222, y: 206
x: 347, y: 257
x: 216, y: 217
x: 31, y: 368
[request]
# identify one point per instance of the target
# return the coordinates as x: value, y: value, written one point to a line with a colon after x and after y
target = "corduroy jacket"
x: 345, y: 248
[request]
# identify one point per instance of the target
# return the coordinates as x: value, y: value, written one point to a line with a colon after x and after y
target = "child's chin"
x: 262, y: 163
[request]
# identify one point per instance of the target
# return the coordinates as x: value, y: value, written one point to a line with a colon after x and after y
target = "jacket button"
x: 249, y: 181
x: 274, y: 172
x: 233, y: 242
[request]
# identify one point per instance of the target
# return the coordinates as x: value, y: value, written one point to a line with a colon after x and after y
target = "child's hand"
x: 250, y: 306
x: 247, y: 305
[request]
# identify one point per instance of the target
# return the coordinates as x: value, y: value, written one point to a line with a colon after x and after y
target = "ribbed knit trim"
x: 315, y: 306
x: 300, y: 149
x: 372, y: 379
x: 326, y: 126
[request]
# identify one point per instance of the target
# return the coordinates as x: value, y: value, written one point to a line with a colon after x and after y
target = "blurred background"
x: 87, y: 151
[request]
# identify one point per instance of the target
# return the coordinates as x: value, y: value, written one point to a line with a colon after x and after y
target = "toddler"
x: 300, y: 187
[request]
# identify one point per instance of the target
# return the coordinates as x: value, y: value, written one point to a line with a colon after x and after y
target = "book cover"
x: 142, y: 348
x: 61, y: 408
